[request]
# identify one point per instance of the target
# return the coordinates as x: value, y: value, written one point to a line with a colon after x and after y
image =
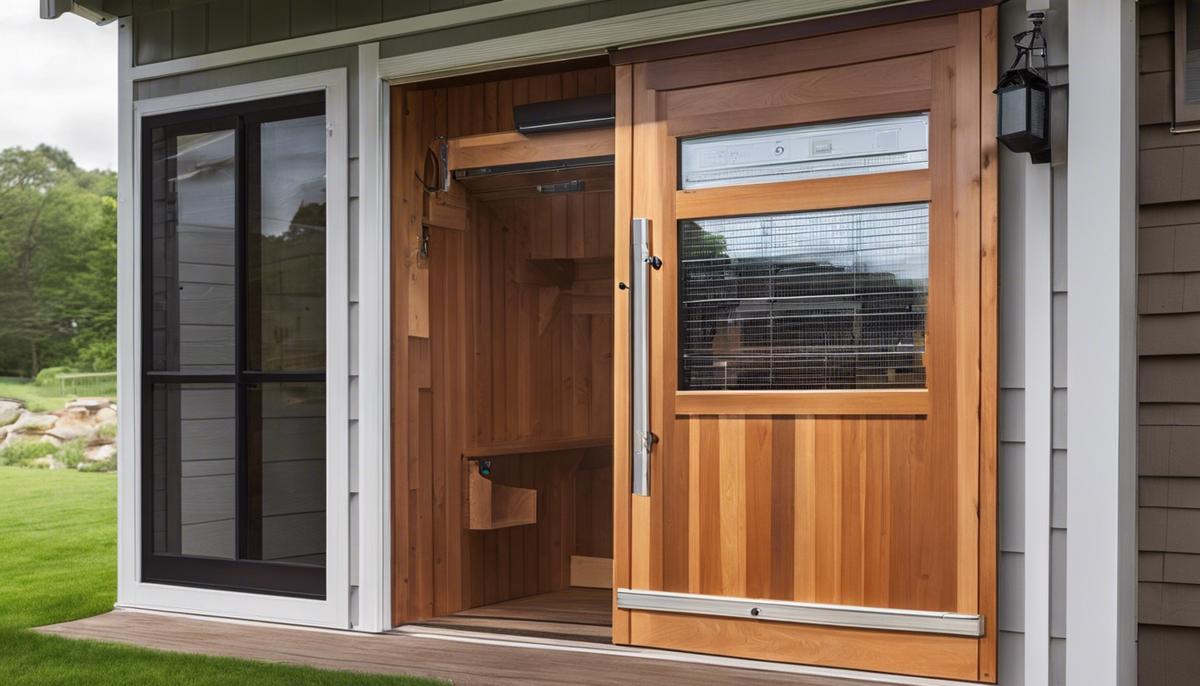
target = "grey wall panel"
x: 270, y: 20
x: 189, y: 31
x: 1011, y: 598
x: 402, y: 9
x: 358, y: 12
x: 152, y: 37
x: 1011, y: 470
x: 1011, y: 420
x: 1058, y: 583
x: 312, y: 16
x: 228, y: 24
x: 1010, y: 655
x: 1012, y: 282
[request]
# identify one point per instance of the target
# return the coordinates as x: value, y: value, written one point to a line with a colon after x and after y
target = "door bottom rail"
x: 852, y: 616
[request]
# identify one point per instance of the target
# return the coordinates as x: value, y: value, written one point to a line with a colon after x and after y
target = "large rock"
x: 71, y: 426
x: 30, y: 422
x: 9, y: 412
x: 100, y: 453
x: 15, y: 436
x: 92, y: 405
x: 106, y: 415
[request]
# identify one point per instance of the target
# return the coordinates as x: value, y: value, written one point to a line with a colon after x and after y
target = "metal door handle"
x: 640, y: 262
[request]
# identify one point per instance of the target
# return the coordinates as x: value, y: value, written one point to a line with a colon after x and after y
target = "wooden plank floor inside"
x: 579, y: 614
x: 427, y: 651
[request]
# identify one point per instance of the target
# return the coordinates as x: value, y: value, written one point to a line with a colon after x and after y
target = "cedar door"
x: 806, y: 461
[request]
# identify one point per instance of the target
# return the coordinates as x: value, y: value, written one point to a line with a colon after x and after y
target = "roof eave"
x: 53, y: 9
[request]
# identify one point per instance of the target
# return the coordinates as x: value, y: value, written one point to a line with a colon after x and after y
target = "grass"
x: 36, y: 398
x: 59, y: 539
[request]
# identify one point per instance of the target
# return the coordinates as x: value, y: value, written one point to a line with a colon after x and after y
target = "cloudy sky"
x: 58, y: 84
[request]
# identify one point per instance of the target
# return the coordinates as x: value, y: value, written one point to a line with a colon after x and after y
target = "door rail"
x: 853, y: 616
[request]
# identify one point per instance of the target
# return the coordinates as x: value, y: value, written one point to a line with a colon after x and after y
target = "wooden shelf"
x: 495, y: 506
x: 543, y: 445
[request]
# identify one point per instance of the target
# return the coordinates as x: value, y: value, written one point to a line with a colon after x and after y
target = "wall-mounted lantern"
x: 1024, y: 96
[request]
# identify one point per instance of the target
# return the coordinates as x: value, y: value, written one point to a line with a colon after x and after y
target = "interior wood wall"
x: 480, y: 358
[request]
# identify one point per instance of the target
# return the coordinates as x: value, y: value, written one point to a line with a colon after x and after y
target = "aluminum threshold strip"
x: 880, y: 618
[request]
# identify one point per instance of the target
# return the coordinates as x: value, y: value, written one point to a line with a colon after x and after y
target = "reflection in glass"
x: 285, y: 499
x: 193, y: 297
x: 801, y: 301
x: 286, y: 269
x: 194, y: 454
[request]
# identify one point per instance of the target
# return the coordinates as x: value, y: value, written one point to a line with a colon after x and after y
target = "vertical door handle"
x: 640, y: 263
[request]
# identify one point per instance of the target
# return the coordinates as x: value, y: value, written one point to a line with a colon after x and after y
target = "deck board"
x: 459, y: 661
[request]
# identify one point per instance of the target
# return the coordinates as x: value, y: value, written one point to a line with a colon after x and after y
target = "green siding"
x: 168, y: 29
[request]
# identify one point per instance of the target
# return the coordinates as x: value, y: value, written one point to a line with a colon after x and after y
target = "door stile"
x: 988, y: 379
x: 622, y: 436
x: 967, y: 263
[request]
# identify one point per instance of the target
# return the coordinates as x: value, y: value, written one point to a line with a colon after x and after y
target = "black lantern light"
x: 1024, y: 96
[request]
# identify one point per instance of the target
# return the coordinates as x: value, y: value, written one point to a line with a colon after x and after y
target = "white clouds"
x: 58, y: 84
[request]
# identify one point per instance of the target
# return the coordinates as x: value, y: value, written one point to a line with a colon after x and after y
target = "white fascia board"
x: 333, y: 611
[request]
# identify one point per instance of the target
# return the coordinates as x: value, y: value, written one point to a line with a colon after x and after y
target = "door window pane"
x: 806, y: 152
x: 805, y: 301
x: 193, y: 297
x: 285, y: 520
x: 194, y: 454
x: 286, y: 270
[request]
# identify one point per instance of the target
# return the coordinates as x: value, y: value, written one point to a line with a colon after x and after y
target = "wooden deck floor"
x: 579, y: 614
x: 426, y: 651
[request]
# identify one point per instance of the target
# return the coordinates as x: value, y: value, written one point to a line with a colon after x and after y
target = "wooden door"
x: 819, y: 351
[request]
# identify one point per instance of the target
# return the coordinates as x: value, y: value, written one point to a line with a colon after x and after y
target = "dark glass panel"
x: 285, y: 314
x: 193, y: 296
x: 285, y: 512
x: 194, y: 453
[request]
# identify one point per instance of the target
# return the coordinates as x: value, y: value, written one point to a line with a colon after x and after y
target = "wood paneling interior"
x: 502, y: 350
x: 826, y: 497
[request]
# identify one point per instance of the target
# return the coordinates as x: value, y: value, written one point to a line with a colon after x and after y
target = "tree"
x: 57, y: 261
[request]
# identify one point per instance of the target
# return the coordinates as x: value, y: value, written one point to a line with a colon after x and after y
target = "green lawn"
x: 58, y: 562
x: 36, y: 398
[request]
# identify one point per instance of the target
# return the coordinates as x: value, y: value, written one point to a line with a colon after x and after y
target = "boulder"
x: 39, y: 423
x: 9, y: 412
x: 106, y: 415
x: 92, y: 405
x: 100, y: 453
x: 70, y: 427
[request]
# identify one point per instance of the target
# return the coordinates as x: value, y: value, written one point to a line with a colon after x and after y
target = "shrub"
x: 107, y: 432
x: 98, y: 355
x: 71, y: 454
x: 23, y: 453
x: 108, y: 464
x: 49, y: 375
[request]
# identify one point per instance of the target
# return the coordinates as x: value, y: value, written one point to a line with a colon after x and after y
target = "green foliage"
x: 71, y: 453
x: 108, y: 464
x: 96, y: 354
x: 58, y: 244
x: 59, y: 530
x: 107, y: 432
x: 49, y: 375
x: 23, y: 453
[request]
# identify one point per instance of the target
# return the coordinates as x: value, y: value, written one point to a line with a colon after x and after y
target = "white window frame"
x: 132, y: 592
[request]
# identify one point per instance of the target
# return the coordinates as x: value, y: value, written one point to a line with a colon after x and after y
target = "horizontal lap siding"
x: 1169, y: 367
x: 185, y: 28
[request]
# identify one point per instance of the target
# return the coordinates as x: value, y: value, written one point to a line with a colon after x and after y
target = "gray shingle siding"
x: 1169, y: 367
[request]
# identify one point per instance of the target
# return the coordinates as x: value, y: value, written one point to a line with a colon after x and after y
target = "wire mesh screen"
x: 805, y: 301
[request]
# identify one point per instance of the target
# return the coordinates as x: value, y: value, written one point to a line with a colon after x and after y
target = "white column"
x: 1101, y: 345
x: 128, y: 347
x: 1038, y: 388
x: 374, y: 546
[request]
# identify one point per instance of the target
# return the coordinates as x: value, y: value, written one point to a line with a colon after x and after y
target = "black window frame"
x: 244, y: 575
